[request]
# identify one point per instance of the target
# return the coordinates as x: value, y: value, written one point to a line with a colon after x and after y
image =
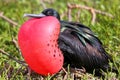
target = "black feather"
x: 80, y: 46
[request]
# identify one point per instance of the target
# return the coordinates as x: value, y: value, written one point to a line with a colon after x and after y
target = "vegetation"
x: 107, y: 28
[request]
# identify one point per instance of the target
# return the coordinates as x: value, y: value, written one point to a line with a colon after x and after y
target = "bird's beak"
x: 34, y: 15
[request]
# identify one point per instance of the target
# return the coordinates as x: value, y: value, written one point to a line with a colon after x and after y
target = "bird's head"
x: 46, y: 12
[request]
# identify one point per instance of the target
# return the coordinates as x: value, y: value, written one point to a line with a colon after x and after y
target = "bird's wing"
x: 81, y: 47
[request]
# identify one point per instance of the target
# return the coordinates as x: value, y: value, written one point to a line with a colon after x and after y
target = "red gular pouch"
x: 37, y: 40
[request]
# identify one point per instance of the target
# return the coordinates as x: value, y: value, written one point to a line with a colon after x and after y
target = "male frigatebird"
x: 79, y: 45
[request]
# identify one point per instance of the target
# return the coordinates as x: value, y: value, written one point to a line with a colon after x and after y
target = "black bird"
x: 80, y: 46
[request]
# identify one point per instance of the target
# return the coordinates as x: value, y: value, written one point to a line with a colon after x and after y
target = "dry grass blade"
x: 43, y: 4
x: 92, y: 11
x: 8, y: 20
x: 18, y: 61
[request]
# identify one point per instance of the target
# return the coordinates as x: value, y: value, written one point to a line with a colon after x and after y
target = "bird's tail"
x: 106, y: 68
x: 113, y: 69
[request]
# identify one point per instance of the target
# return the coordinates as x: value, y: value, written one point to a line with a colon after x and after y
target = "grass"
x: 106, y: 28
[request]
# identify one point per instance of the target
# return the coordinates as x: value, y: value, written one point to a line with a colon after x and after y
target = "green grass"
x: 106, y: 28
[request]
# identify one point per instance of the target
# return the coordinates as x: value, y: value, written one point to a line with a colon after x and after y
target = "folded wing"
x: 81, y: 48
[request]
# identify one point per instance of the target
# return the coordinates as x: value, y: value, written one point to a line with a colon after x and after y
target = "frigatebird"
x: 80, y: 46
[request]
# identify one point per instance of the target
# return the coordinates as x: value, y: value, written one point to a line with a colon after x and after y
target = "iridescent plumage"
x: 80, y: 46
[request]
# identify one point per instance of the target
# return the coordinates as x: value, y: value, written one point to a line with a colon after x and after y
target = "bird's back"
x: 81, y: 48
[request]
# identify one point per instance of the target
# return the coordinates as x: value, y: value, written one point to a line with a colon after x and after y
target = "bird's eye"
x: 49, y: 13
